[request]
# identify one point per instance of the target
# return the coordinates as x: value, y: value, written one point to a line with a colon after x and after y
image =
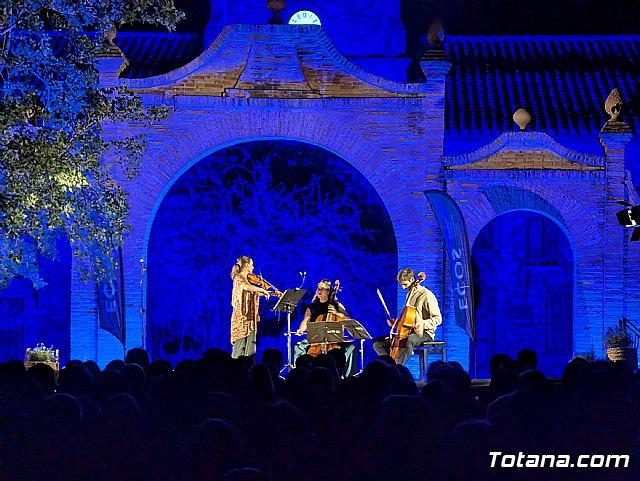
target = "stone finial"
x: 109, y: 60
x: 523, y: 118
x: 276, y: 6
x: 435, y: 59
x: 613, y: 105
x: 111, y: 35
x: 435, y: 35
x: 108, y: 47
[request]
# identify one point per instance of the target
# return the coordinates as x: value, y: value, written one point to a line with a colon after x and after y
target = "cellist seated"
x: 424, y: 306
x: 324, y: 306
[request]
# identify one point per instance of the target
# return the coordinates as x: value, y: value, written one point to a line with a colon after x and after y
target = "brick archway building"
x: 289, y: 82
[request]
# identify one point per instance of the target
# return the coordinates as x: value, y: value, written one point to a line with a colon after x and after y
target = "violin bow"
x: 384, y: 304
x: 275, y: 290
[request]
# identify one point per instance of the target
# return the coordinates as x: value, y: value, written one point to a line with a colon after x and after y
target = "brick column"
x: 614, y: 137
x: 87, y: 340
x: 436, y: 65
x: 83, y: 342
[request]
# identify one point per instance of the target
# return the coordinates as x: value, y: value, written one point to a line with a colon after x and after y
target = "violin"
x: 406, y: 321
x: 261, y: 282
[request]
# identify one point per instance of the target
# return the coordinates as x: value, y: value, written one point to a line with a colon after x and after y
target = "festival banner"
x: 111, y: 307
x: 456, y: 242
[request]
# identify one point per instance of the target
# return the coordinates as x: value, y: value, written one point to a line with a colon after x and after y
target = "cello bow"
x: 384, y: 304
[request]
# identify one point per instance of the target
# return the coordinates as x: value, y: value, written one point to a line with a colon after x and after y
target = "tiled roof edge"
x: 323, y: 40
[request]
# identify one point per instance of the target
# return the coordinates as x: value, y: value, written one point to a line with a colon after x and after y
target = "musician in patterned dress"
x: 245, y: 300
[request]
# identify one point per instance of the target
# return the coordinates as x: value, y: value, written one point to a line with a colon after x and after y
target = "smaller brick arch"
x: 558, y: 205
x: 491, y: 200
x: 525, y: 287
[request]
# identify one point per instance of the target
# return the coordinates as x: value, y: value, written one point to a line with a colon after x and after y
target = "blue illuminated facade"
x: 279, y: 147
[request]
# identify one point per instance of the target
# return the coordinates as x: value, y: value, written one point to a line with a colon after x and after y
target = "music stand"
x: 288, y: 303
x: 325, y: 333
x: 328, y: 332
x: 357, y: 331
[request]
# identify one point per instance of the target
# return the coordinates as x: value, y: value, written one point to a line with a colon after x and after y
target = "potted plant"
x: 42, y: 354
x: 620, y: 345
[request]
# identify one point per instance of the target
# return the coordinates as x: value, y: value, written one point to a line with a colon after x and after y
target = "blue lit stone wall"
x: 29, y: 317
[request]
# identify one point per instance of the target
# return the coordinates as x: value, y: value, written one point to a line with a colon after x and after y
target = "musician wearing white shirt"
x: 428, y: 317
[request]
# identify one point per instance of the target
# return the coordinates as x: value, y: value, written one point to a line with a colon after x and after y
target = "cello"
x: 323, y: 347
x: 406, y: 321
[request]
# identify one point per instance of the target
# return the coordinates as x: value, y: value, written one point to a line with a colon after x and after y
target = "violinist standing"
x: 428, y: 317
x: 245, y: 300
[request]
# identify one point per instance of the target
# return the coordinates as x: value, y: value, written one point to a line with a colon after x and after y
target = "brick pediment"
x: 273, y: 61
x: 524, y: 151
x: 525, y: 160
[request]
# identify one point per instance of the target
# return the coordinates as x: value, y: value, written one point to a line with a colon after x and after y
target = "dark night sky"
x: 488, y: 17
x: 534, y: 17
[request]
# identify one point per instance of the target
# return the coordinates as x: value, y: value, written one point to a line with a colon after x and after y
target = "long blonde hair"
x: 240, y: 264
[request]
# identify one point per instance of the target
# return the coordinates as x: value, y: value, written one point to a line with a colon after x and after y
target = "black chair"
x: 426, y: 348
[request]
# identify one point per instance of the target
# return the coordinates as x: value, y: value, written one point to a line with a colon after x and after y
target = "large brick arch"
x: 218, y: 132
x: 182, y: 150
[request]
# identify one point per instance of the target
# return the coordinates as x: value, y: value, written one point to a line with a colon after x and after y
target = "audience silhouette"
x: 222, y: 419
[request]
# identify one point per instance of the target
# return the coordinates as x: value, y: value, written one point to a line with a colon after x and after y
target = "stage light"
x: 630, y: 217
x: 624, y: 218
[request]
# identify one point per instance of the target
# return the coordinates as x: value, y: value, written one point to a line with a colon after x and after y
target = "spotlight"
x: 624, y: 218
x: 630, y: 217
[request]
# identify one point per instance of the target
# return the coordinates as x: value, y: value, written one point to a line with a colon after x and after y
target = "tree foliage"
x: 53, y: 179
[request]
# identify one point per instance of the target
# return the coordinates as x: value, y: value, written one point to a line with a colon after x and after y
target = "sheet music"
x: 355, y: 329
